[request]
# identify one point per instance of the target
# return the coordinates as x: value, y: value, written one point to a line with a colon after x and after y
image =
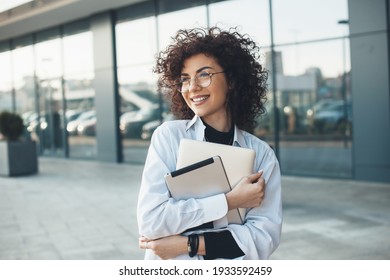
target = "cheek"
x: 223, y: 95
x: 186, y: 100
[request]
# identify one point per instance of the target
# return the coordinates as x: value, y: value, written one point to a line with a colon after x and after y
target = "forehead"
x: 198, y: 61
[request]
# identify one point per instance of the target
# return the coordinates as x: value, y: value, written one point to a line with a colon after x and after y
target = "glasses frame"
x: 179, y: 85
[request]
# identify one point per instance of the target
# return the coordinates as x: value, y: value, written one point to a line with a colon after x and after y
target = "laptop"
x: 201, y: 179
x: 238, y: 162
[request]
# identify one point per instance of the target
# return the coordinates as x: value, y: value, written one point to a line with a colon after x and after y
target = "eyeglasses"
x: 202, y: 79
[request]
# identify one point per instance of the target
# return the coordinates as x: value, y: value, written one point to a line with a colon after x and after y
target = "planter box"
x: 18, y: 158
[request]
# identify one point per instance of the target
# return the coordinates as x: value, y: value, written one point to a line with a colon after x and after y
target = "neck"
x: 222, y: 124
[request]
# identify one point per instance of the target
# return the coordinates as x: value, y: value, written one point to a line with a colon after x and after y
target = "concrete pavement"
x: 87, y: 210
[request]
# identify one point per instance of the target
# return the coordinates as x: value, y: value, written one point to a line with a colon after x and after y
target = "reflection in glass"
x: 250, y: 16
x: 22, y: 65
x: 5, y: 82
x: 304, y: 20
x: 49, y: 125
x: 139, y: 99
x: 23, y: 78
x: 314, y: 102
x: 136, y: 41
x: 80, y: 112
x: 169, y: 23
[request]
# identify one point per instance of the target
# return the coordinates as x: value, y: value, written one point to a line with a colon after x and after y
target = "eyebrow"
x: 197, y: 71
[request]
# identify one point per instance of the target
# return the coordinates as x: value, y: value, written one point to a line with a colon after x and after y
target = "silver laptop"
x: 238, y: 162
x: 202, y: 179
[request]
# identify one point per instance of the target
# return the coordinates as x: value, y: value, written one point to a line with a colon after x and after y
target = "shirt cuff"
x: 214, y: 207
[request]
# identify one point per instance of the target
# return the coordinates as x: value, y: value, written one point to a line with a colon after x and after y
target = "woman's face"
x: 209, y: 102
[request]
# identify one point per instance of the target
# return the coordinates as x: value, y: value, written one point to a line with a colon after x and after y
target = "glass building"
x: 80, y: 74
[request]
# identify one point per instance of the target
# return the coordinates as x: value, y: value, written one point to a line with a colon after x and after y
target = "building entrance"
x: 49, y: 130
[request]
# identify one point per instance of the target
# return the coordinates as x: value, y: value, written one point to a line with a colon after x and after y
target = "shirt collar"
x: 199, y: 127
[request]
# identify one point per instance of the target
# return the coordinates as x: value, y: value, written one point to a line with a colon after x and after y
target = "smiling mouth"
x: 199, y: 99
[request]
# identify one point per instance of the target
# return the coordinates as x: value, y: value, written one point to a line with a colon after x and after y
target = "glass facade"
x: 139, y: 100
x: 49, y: 127
x: 79, y: 95
x: 308, y: 120
x: 48, y: 80
x: 6, y: 86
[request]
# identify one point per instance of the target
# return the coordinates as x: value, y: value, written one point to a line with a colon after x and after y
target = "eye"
x: 203, y: 75
x: 184, y: 80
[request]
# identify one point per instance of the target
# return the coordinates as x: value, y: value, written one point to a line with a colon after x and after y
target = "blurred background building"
x: 80, y: 74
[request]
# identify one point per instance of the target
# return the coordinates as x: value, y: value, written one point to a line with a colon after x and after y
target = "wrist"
x: 202, y: 246
x: 230, y: 201
x: 193, y: 245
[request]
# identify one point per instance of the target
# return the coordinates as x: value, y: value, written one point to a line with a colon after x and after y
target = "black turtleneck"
x: 215, y: 136
x: 220, y: 244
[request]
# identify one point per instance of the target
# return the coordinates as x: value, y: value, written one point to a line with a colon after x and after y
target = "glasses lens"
x: 182, y: 84
x: 203, y: 79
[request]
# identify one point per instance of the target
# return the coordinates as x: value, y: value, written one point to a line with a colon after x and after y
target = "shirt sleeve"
x: 260, y: 235
x: 158, y: 214
x: 221, y: 245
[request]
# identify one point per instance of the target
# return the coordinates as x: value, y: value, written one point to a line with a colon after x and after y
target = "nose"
x: 193, y: 85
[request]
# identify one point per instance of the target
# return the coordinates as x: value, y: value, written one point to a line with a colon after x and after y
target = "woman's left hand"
x: 166, y: 247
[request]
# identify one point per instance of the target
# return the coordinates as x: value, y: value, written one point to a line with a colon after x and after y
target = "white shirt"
x: 159, y: 215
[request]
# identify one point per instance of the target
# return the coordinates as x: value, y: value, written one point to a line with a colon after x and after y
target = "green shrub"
x: 11, y: 126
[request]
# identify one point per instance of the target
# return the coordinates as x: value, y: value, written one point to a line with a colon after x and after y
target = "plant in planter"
x: 17, y: 156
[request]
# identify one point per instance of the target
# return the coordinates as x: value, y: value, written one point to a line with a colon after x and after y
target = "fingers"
x: 255, y: 176
x: 142, y: 238
x: 143, y: 242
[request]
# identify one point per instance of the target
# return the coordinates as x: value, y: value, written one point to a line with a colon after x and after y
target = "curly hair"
x: 237, y: 54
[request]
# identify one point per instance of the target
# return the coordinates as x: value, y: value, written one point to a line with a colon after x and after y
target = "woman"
x: 217, y: 89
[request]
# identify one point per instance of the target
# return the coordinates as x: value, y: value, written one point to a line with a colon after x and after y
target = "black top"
x: 220, y: 244
x: 215, y: 136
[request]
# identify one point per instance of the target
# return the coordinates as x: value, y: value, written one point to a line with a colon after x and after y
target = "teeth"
x: 198, y: 99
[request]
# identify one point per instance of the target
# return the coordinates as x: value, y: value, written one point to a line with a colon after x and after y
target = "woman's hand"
x: 166, y: 247
x: 248, y: 193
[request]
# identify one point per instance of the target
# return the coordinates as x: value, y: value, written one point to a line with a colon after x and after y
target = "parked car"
x: 332, y: 116
x: 72, y: 125
x: 87, y: 127
x: 150, y: 127
x: 131, y: 123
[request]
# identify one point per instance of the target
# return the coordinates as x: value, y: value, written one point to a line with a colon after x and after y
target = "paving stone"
x: 83, y: 210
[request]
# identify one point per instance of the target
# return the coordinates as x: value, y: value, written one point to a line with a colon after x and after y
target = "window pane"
x: 303, y: 20
x: 250, y: 16
x: 49, y: 128
x: 170, y: 23
x: 314, y: 102
x: 23, y: 80
x: 78, y: 53
x: 79, y: 95
x: 139, y: 99
x: 5, y: 81
x: 48, y: 59
x: 136, y: 41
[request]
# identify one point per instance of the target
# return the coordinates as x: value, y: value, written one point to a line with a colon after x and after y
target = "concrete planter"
x: 18, y: 158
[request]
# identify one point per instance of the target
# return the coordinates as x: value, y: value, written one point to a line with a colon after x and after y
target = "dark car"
x: 72, y: 125
x: 87, y: 127
x: 131, y: 123
x: 150, y: 127
x: 334, y: 117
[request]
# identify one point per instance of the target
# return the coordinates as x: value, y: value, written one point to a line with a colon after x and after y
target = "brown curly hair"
x: 237, y: 54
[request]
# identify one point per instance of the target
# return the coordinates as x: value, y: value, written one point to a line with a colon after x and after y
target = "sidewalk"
x: 87, y: 210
